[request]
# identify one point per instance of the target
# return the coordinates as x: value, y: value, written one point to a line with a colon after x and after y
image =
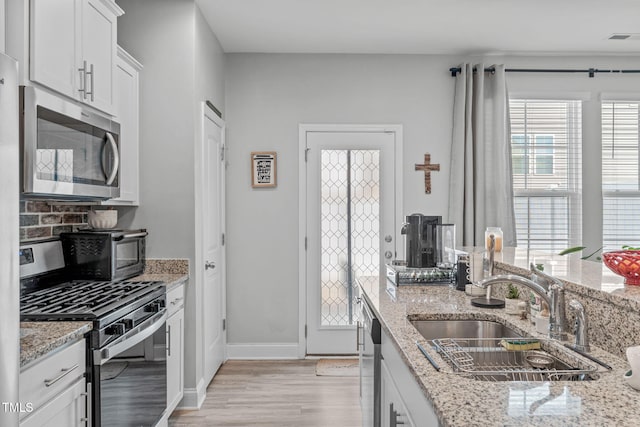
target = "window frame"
x: 617, y: 194
x: 572, y: 193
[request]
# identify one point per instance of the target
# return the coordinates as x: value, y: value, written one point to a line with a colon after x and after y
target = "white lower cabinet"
x: 402, y: 399
x: 54, y: 391
x: 393, y: 411
x: 66, y: 409
x: 175, y: 347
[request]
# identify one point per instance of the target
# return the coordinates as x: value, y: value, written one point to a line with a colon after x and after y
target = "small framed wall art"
x: 263, y: 169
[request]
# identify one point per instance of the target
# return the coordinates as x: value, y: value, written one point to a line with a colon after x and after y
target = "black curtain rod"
x: 591, y: 71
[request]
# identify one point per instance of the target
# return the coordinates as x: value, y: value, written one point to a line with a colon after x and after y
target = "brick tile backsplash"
x: 38, y: 232
x: 50, y: 219
x: 74, y: 218
x: 39, y: 219
x: 27, y: 220
x: 70, y: 208
x: 38, y: 206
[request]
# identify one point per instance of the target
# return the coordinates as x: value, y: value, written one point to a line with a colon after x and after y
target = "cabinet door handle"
x: 176, y: 301
x: 358, y: 335
x: 83, y: 80
x: 64, y: 373
x: 168, y: 340
x: 91, y: 73
x: 87, y: 408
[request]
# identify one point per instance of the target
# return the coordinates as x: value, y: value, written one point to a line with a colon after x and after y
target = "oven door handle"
x: 131, y: 236
x: 133, y: 337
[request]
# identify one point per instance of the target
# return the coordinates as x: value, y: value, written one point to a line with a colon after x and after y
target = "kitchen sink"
x: 491, y: 351
x: 433, y: 329
x: 488, y: 359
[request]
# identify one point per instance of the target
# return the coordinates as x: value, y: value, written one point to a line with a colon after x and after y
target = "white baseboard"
x: 263, y: 351
x: 193, y: 398
x: 164, y: 421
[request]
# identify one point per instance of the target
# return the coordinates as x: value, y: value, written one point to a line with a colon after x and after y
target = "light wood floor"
x: 275, y: 393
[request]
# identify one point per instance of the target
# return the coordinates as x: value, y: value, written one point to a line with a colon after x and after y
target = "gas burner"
x: 84, y: 300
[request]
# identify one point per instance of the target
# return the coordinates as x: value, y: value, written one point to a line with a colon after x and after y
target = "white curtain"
x: 481, y: 178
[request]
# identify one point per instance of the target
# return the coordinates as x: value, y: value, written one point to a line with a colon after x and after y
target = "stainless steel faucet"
x: 550, y: 289
x: 582, y: 326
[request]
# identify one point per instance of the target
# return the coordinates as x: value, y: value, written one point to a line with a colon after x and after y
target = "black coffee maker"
x: 420, y: 240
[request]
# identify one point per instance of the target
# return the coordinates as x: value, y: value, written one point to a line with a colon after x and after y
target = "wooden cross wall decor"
x: 427, y: 167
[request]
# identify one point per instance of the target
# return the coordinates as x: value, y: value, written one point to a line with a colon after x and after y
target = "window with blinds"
x: 546, y: 141
x: 620, y: 176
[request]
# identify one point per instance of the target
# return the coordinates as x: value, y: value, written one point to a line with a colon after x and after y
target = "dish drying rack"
x: 487, y: 359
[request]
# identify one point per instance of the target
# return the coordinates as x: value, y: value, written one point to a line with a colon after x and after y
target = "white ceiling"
x: 424, y: 26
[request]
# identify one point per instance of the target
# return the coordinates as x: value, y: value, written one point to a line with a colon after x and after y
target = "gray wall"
x: 183, y: 66
x: 160, y: 35
x: 209, y: 64
x: 268, y: 95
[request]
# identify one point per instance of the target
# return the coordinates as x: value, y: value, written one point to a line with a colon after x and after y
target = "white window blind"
x: 620, y: 176
x: 546, y: 141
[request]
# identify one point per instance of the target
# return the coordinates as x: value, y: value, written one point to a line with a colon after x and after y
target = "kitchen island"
x: 460, y: 401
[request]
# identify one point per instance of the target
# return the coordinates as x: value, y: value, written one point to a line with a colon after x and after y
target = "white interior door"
x: 213, y: 301
x: 350, y: 216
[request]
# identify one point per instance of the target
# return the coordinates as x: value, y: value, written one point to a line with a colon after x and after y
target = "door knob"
x: 388, y: 238
x: 209, y: 264
x: 388, y: 254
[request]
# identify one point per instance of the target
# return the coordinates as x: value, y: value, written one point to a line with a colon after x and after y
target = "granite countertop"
x: 170, y: 280
x: 585, y: 277
x: 460, y: 401
x: 39, y: 338
x: 170, y: 271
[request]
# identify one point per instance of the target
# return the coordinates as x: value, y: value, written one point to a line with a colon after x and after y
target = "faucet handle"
x: 582, y: 327
x: 576, y: 305
x: 548, y: 279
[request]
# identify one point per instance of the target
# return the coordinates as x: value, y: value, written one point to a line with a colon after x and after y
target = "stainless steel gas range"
x: 127, y: 377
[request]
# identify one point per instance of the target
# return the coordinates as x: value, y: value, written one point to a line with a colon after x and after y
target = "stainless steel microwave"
x: 68, y: 152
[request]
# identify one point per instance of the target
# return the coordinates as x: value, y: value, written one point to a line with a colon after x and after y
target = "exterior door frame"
x: 303, y: 129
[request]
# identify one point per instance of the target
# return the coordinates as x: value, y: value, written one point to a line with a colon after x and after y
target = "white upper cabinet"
x: 99, y: 50
x: 53, y: 45
x: 73, y: 48
x: 127, y: 115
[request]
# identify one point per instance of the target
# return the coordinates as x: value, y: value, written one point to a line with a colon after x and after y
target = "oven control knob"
x: 153, y: 307
x: 116, y: 329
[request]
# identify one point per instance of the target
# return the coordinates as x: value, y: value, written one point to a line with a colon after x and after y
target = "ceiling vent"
x: 625, y: 36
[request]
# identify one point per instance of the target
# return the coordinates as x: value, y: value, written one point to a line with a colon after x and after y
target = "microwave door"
x: 68, y: 153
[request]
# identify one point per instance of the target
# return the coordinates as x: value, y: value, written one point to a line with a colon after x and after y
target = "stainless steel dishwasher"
x: 369, y: 350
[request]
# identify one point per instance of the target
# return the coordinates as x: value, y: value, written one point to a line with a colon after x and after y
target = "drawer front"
x: 175, y: 299
x: 52, y: 374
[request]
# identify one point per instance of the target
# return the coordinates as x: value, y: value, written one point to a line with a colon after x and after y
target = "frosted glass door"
x: 350, y: 209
